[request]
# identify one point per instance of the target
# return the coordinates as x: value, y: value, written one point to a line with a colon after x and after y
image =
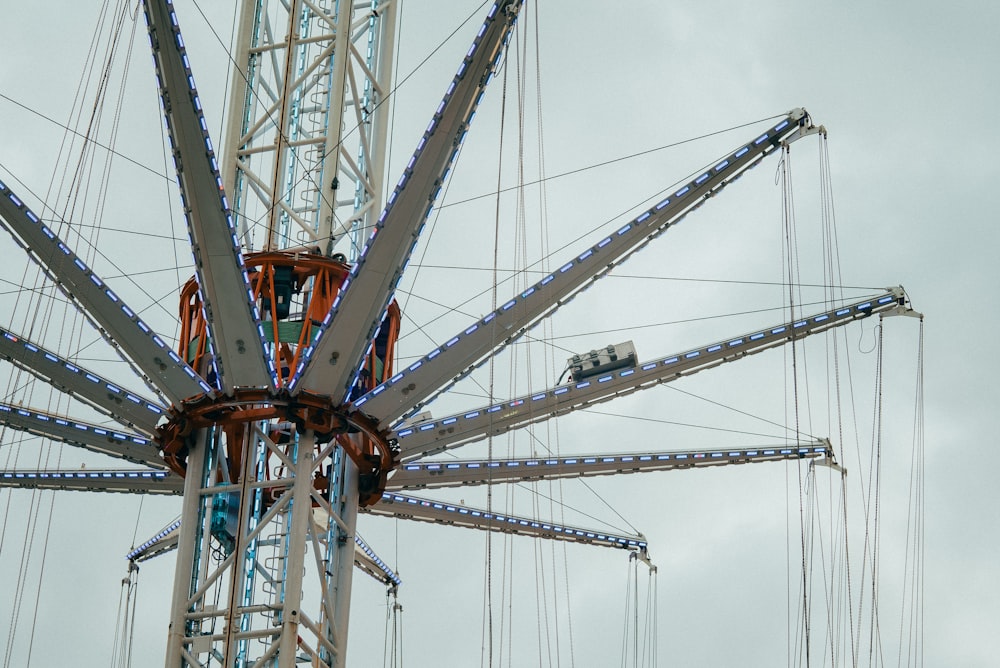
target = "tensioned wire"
x: 76, y: 190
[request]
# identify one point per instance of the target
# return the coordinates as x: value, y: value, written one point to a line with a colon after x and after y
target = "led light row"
x: 214, y: 168
x: 155, y: 476
x: 622, y: 541
x: 69, y: 366
x: 733, y: 346
x: 45, y: 425
x: 404, y: 179
x: 378, y: 562
x: 153, y: 541
x: 93, y: 278
x: 431, y: 467
x: 640, y: 226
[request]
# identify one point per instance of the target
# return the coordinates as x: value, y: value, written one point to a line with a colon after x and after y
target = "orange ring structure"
x: 295, y: 291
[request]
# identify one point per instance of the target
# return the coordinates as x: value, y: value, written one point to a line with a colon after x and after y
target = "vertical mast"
x: 266, y: 548
x: 307, y: 122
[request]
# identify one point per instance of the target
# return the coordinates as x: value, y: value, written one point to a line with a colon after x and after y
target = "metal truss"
x: 248, y: 552
x: 307, y: 123
x: 365, y: 559
x: 267, y: 542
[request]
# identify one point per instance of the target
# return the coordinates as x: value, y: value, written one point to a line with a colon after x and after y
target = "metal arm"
x: 468, y: 472
x: 124, y: 406
x: 164, y: 370
x: 332, y: 364
x: 369, y: 562
x: 452, y: 431
x: 127, y: 481
x: 131, y: 447
x: 166, y: 539
x: 237, y: 337
x: 404, y: 392
x: 424, y: 510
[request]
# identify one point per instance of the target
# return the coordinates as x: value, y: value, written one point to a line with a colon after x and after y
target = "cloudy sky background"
x: 906, y: 91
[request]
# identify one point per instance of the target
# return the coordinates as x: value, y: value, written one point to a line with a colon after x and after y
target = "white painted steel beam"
x: 242, y: 356
x: 108, y: 441
x: 369, y: 562
x: 404, y: 392
x: 161, y: 367
x: 164, y: 541
x: 472, y: 472
x: 433, y: 436
x: 404, y: 506
x: 331, y: 365
x: 124, y: 406
x: 125, y: 481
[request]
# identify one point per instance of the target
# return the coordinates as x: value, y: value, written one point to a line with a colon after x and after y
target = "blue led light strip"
x: 147, y: 481
x: 411, y: 507
x: 126, y: 407
x: 145, y: 550
x: 151, y: 475
x: 468, y: 349
x: 389, y: 575
x: 241, y: 351
x: 435, y: 436
x: 453, y: 473
x: 131, y: 447
x: 163, y: 369
x: 365, y: 295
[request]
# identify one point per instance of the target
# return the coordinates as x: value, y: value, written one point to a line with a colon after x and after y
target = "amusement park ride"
x: 281, y: 414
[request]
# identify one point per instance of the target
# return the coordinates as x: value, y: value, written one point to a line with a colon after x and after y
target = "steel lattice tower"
x: 278, y: 415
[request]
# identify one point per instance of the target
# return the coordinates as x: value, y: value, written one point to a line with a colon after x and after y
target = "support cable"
x: 492, y: 372
x: 121, y: 656
x: 40, y: 310
x: 790, y: 252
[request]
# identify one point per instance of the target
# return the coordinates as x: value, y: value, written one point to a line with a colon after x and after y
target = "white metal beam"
x: 472, y: 472
x: 433, y: 436
x: 124, y: 406
x: 404, y: 392
x: 126, y: 481
x: 331, y: 365
x: 369, y: 562
x: 164, y: 541
x: 163, y: 369
x: 242, y: 356
x: 130, y: 447
x: 404, y: 506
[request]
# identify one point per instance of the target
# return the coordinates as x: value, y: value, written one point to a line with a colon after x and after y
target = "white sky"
x: 906, y: 91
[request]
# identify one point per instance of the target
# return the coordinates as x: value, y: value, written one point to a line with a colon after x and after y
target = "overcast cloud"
x: 906, y: 91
